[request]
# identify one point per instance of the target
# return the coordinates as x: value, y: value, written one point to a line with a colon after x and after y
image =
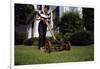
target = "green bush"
x: 70, y: 22
x: 20, y: 37
x: 82, y: 38
x: 67, y: 36
x: 34, y: 41
x: 31, y: 41
x: 58, y: 36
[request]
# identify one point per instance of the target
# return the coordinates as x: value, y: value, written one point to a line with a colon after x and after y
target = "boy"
x: 43, y: 16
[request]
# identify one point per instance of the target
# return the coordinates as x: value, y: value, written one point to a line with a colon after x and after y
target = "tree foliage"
x: 22, y: 11
x: 88, y: 18
x: 70, y: 22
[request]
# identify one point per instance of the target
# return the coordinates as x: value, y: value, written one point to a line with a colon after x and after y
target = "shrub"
x: 20, y: 37
x: 58, y: 36
x: 30, y: 41
x: 82, y: 38
x: 70, y: 22
x: 67, y: 36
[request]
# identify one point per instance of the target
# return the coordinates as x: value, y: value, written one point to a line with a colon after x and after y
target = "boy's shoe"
x: 42, y: 49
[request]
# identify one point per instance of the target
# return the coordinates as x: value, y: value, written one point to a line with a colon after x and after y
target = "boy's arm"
x: 38, y: 16
x: 48, y: 20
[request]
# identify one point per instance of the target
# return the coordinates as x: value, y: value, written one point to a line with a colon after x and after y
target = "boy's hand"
x: 46, y: 20
x: 41, y: 18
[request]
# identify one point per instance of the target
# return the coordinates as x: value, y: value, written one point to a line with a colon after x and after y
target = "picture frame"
x: 13, y: 29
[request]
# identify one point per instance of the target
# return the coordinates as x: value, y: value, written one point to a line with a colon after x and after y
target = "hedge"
x: 82, y: 38
x: 20, y: 37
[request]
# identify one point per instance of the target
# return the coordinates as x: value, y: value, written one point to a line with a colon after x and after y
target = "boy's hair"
x: 46, y: 6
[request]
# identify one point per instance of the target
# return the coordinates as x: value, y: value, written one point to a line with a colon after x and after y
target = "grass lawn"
x: 31, y: 55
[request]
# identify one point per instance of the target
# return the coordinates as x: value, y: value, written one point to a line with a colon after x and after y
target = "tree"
x: 22, y: 11
x: 88, y: 18
x: 70, y: 22
x: 24, y: 14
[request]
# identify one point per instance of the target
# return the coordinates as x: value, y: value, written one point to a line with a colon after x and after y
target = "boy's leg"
x: 42, y: 34
x: 40, y: 37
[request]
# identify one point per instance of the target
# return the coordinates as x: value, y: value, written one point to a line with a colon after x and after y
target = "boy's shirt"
x: 42, y: 15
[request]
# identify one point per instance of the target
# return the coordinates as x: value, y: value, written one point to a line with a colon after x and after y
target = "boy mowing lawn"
x: 43, y: 16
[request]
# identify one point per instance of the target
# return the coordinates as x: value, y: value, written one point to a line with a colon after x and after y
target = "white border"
x: 4, y: 34
x: 12, y: 36
x: 76, y: 3
x: 74, y: 65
